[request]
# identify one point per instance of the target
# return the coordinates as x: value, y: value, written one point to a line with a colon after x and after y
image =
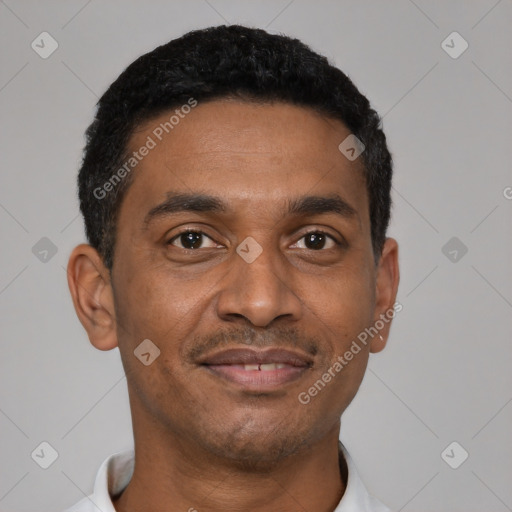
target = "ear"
x: 91, y: 291
x: 387, y: 279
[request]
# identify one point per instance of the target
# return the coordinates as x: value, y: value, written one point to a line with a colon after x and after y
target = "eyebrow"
x: 314, y: 205
x: 204, y: 203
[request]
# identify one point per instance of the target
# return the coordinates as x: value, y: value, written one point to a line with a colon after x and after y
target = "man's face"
x: 195, y: 296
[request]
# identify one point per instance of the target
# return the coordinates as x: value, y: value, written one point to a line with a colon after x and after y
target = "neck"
x: 170, y: 476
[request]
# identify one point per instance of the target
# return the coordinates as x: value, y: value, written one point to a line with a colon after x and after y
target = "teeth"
x: 265, y: 367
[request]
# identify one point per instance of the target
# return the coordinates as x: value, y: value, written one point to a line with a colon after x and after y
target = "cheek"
x: 341, y: 308
x: 165, y: 309
x: 343, y: 304
x: 156, y: 304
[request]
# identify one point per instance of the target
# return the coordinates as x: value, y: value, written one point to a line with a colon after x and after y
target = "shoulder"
x: 356, y: 497
x: 113, y: 476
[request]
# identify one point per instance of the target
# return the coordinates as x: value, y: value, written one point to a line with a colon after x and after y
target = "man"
x: 236, y: 194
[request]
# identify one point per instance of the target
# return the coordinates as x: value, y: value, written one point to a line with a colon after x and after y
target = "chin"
x: 255, y: 449
x: 259, y: 457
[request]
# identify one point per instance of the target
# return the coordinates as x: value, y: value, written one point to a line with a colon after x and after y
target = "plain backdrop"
x: 445, y: 375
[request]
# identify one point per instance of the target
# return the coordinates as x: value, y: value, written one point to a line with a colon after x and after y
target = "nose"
x: 260, y: 291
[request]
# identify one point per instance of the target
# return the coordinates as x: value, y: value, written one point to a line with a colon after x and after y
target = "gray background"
x: 445, y: 375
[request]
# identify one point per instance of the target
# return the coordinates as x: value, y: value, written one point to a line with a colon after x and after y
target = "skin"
x: 202, y: 442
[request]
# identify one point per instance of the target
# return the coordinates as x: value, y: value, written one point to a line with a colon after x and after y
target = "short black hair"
x: 227, y: 61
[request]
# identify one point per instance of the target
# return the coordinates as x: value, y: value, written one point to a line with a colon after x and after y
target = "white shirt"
x: 116, y: 471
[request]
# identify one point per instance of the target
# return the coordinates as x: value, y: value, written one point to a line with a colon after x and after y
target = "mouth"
x: 258, y: 370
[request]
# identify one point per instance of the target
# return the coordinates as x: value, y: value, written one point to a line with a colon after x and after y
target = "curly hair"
x: 220, y: 62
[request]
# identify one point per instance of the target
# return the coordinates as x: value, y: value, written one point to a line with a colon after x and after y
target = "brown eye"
x: 190, y: 240
x: 315, y: 240
x: 318, y: 240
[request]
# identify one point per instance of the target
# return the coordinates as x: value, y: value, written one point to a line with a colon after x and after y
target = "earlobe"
x: 387, y: 280
x: 91, y: 291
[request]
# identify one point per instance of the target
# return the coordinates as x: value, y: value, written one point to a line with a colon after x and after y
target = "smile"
x: 258, y: 370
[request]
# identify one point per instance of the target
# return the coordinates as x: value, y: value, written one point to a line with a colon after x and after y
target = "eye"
x: 191, y: 240
x: 317, y: 240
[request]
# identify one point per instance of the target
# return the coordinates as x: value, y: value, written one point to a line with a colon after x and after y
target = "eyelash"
x: 315, y: 231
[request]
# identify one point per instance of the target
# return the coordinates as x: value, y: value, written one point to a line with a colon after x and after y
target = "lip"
x: 251, y: 356
x: 229, y: 365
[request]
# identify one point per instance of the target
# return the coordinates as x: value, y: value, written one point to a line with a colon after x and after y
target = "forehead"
x: 252, y: 155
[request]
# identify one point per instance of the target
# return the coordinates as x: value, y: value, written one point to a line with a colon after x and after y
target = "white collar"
x: 116, y: 472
